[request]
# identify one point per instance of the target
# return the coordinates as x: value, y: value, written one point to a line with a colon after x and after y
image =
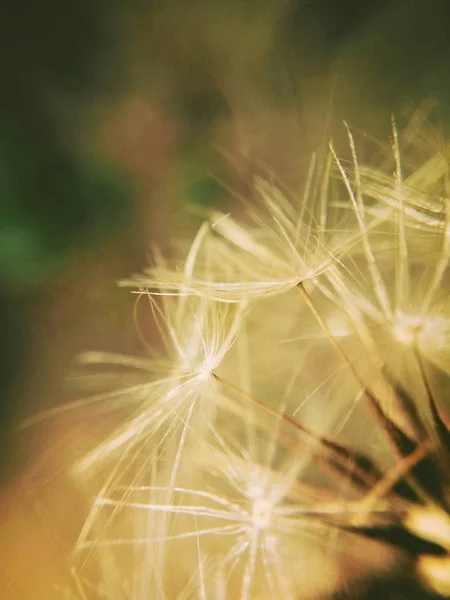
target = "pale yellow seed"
x: 435, y: 572
x: 430, y: 525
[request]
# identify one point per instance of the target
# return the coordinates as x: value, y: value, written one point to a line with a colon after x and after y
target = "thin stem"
x: 384, y: 485
x: 332, y: 339
x: 402, y: 274
x: 350, y: 467
x: 358, y: 207
x: 340, y: 456
x: 441, y: 425
x: 261, y: 404
x: 402, y: 444
x: 375, y: 404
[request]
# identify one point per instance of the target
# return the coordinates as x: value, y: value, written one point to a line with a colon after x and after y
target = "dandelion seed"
x: 270, y: 254
x: 237, y: 493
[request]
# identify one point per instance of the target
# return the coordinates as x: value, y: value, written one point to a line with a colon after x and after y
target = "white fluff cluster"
x: 303, y: 376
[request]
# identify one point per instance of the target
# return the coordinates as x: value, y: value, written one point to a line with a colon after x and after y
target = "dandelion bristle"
x: 285, y: 427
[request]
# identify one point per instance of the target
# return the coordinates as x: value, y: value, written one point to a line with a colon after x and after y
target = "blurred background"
x: 116, y: 114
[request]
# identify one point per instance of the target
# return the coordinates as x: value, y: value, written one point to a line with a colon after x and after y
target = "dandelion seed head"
x: 262, y: 503
x: 428, y: 333
x: 262, y: 513
x: 407, y: 327
x: 284, y: 386
x: 275, y: 245
x: 206, y: 369
x: 434, y: 333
